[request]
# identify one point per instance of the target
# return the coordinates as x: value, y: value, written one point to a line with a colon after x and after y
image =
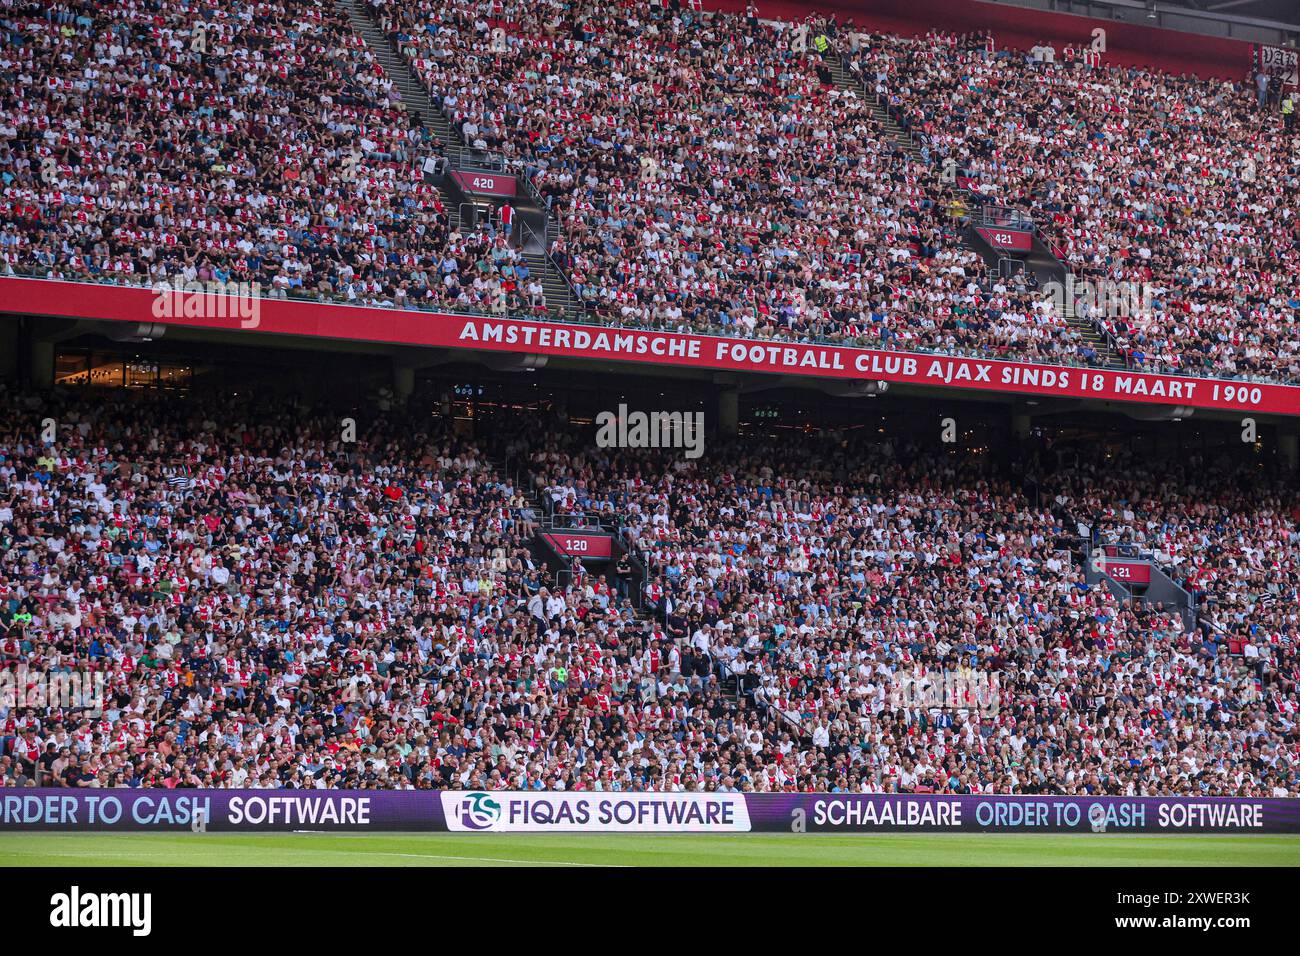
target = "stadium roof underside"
x: 530, y: 343
x: 1212, y: 17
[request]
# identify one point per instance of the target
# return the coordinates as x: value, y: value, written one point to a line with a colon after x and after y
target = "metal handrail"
x: 526, y: 231
x: 1003, y: 217
x: 553, y: 268
x: 581, y: 317
x: 1097, y: 326
x: 1009, y: 266
x: 466, y: 159
x: 575, y: 305
x: 460, y: 215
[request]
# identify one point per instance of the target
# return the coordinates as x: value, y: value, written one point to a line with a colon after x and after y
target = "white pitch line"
x: 137, y: 855
x: 495, y: 859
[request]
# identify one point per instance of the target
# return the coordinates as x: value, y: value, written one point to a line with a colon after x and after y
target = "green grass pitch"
x: 770, y: 849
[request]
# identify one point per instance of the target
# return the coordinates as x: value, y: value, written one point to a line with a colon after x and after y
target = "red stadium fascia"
x: 78, y: 300
x: 1019, y: 28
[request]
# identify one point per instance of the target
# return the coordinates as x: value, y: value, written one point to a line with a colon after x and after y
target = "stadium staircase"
x: 1163, y: 590
x: 561, y: 299
x: 1108, y: 351
x: 546, y: 556
x: 1042, y: 260
x: 846, y: 80
x: 395, y: 68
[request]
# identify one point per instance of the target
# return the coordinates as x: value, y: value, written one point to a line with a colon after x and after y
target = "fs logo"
x: 479, y: 811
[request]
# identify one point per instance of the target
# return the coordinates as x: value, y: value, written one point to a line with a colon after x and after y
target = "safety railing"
x: 1002, y: 217
x: 588, y: 318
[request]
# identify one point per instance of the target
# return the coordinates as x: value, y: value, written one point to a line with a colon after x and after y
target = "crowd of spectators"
x: 1240, y: 563
x: 269, y: 606
x: 707, y: 174
x: 152, y: 141
x: 1180, y: 187
x: 827, y: 586
x: 704, y: 172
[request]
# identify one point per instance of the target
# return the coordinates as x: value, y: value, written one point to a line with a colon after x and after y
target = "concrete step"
x: 1085, y: 329
x: 559, y: 295
x: 847, y: 80
x: 395, y: 66
x: 1092, y: 333
x: 558, y: 292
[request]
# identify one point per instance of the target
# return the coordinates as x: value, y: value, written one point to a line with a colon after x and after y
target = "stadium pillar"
x: 42, y: 363
x: 403, y: 380
x: 9, y: 338
x: 728, y: 412
x: 1020, y: 423
x: 1288, y: 446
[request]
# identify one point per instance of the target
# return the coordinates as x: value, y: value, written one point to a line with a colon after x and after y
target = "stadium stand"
x: 1174, y: 183
x: 149, y: 142
x: 706, y: 172
x: 706, y: 177
x: 271, y: 608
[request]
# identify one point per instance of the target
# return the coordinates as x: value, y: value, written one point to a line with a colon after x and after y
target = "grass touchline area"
x: 584, y: 850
